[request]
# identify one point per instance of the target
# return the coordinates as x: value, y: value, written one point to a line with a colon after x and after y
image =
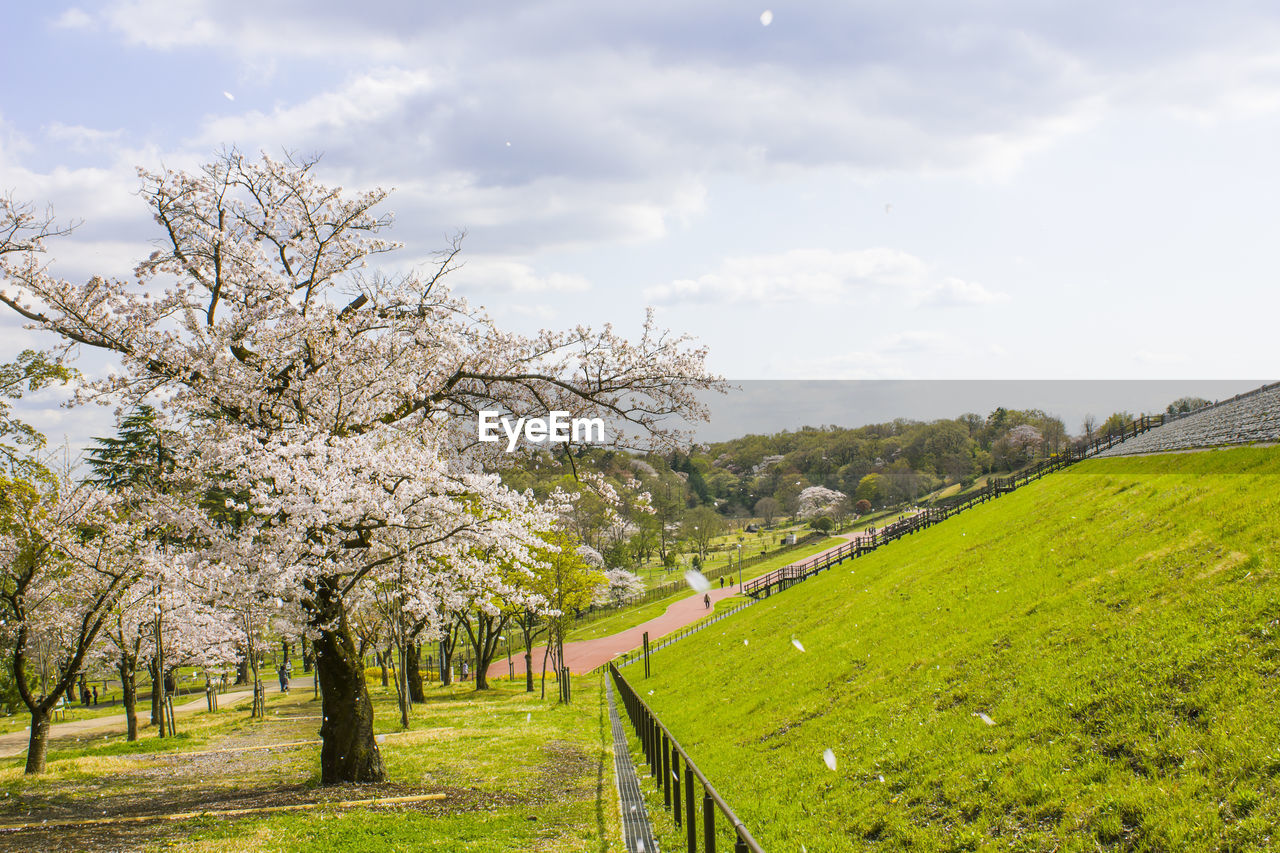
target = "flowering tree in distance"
x: 818, y: 500
x: 620, y: 587
x: 338, y: 403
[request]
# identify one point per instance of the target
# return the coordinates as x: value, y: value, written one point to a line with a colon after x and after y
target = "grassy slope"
x: 1117, y: 621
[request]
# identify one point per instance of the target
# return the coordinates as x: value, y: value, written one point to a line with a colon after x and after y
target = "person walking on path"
x: 706, y: 602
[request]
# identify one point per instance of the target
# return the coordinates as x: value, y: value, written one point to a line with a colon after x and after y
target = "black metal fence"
x: 686, y: 792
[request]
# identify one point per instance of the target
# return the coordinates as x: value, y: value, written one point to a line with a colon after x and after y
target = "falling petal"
x: 696, y: 581
x: 766, y: 17
x: 528, y: 717
x: 881, y: 778
x: 228, y: 96
x: 745, y: 643
x: 830, y: 758
x: 985, y: 718
x: 797, y: 644
x: 650, y: 692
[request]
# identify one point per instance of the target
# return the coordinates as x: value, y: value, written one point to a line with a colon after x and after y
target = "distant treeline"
x: 695, y: 497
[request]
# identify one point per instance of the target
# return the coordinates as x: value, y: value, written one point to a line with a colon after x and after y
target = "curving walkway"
x: 585, y: 655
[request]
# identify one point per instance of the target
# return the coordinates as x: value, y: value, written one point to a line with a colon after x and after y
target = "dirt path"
x: 15, y: 743
x: 585, y: 655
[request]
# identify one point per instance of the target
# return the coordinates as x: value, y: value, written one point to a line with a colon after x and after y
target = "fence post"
x: 708, y: 823
x: 643, y: 732
x: 675, y: 787
x: 666, y: 771
x: 657, y: 751
x: 690, y: 811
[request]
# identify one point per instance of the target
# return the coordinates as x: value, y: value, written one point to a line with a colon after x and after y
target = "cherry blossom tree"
x: 67, y: 553
x: 818, y: 500
x: 620, y: 587
x: 339, y: 402
x: 30, y: 371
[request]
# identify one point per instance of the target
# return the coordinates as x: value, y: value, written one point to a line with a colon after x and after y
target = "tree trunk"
x: 306, y: 654
x: 446, y: 661
x: 129, y: 686
x: 382, y: 662
x: 413, y: 669
x: 528, y: 669
x: 348, y: 752
x: 155, y: 694
x: 38, y: 743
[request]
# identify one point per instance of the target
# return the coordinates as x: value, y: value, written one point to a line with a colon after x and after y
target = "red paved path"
x: 585, y: 655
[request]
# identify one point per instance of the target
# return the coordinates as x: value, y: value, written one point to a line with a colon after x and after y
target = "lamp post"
x: 739, y: 564
x: 511, y: 667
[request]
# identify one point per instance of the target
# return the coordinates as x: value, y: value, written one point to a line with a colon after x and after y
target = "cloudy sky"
x: 816, y: 190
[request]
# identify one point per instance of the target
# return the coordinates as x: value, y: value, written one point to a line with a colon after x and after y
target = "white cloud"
x: 83, y: 139
x: 77, y: 259
x: 252, y: 28
x: 74, y: 19
x: 488, y: 275
x: 954, y: 291
x: 364, y: 104
x: 823, y: 276
x: 910, y: 354
x: 164, y: 24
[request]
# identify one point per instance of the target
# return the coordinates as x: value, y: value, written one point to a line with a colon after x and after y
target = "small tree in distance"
x: 767, y: 510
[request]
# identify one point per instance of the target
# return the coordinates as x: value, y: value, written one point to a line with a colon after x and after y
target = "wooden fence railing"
x: 788, y: 576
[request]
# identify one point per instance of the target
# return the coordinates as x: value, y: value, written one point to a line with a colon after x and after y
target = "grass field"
x: 516, y: 773
x: 1116, y: 624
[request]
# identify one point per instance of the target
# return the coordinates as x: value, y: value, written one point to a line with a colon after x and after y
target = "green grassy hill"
x: 1117, y: 622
